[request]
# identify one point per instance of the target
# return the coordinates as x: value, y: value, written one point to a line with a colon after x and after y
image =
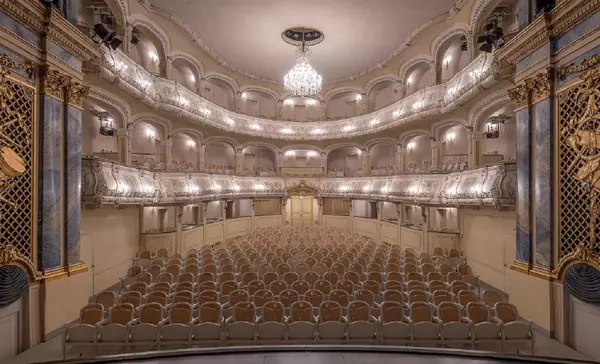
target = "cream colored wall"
x: 389, y: 233
x: 488, y: 243
x: 342, y: 222
x: 367, y: 227
x: 109, y: 242
x: 411, y: 238
x: 192, y: 238
x: 213, y: 233
x: 420, y: 151
x: 262, y: 222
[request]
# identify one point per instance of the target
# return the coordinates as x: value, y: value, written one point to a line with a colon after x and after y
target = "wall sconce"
x: 151, y: 135
x: 311, y: 102
x: 288, y: 102
x: 411, y: 145
x: 191, y: 144
x: 358, y: 97
x: 450, y: 137
x: 410, y: 80
x: 192, y: 78
x: 447, y: 61
x: 311, y: 153
x: 153, y: 56
x: 244, y: 96
x: 255, y: 126
x: 290, y: 153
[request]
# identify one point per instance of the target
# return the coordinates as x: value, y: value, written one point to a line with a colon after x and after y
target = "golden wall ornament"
x: 76, y: 92
x: 532, y: 89
x: 581, y: 134
x: 302, y: 190
x: 9, y: 255
x: 582, y: 66
x: 519, y: 95
x: 54, y: 83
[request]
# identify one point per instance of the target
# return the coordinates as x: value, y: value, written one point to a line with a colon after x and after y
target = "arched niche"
x: 417, y: 77
x: 219, y: 92
x: 147, y: 144
x: 184, y: 72
x: 259, y: 161
x: 220, y: 157
x: 147, y: 54
x: 345, y: 104
x: 382, y: 94
x: 344, y: 161
x: 484, y: 11
x: 382, y: 158
x: 301, y: 158
x: 106, y: 12
x: 453, y: 55
x: 258, y: 103
x: 184, y: 151
x: 94, y: 143
x: 498, y: 141
x: 418, y: 153
x: 454, y: 150
x: 301, y: 109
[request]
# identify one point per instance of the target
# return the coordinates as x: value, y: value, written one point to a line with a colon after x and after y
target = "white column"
x: 351, y: 217
x: 323, y: 111
x: 471, y: 148
x: 204, y: 207
x: 124, y: 145
x: 399, y: 223
x: 202, y: 157
x: 238, y: 161
x: 284, y: 201
x: 365, y: 162
x: 280, y: 109
x: 400, y: 157
x: 253, y: 214
x: 320, y: 212
x: 167, y: 145
x: 435, y: 154
x: 179, y: 229
x: 224, y: 216
x: 378, y: 232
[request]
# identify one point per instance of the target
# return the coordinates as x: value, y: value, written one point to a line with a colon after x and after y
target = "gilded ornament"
x: 302, y: 190
x: 540, y: 85
x: 582, y: 66
x: 9, y: 255
x: 54, y: 83
x: 519, y: 95
x: 77, y: 92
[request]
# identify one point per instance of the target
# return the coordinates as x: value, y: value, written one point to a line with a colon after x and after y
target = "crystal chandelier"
x: 302, y: 80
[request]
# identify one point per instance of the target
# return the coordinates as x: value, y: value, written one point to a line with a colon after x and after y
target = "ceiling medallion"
x: 302, y: 79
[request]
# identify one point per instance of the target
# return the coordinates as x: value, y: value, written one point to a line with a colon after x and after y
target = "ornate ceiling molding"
x: 197, y: 38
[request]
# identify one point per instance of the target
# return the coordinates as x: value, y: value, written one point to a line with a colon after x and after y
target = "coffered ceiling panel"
x: 359, y: 34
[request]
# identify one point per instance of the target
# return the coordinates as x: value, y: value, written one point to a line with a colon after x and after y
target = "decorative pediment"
x: 302, y: 190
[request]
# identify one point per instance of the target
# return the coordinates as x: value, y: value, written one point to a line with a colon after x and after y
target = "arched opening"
x: 185, y: 73
x: 418, y: 154
x: 301, y: 109
x: 504, y: 12
x: 99, y: 131
x: 219, y: 92
x: 220, y: 157
x: 498, y: 141
x: 344, y: 162
x: 417, y: 77
x: 382, y: 159
x: 453, y: 55
x: 184, y: 152
x: 382, y: 94
x: 146, y: 145
x: 454, y: 151
x: 344, y: 105
x: 258, y: 103
x: 301, y: 162
x: 146, y: 53
x: 259, y: 161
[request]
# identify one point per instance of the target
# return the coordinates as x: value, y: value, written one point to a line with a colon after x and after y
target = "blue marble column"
x: 50, y: 191
x: 544, y: 197
x: 73, y: 182
x: 523, y: 13
x: 523, y: 186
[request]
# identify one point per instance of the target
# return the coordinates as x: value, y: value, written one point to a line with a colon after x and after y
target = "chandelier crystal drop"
x: 302, y: 79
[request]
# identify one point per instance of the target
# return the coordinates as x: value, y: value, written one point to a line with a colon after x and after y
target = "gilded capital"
x: 54, y: 83
x: 519, y: 95
x: 76, y: 92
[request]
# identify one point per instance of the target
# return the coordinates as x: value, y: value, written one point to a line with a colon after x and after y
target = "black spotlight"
x: 493, y: 38
x: 106, y: 37
x: 543, y: 6
x: 464, y: 45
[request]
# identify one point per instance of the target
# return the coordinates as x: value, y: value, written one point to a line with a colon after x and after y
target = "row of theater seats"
x: 223, y: 275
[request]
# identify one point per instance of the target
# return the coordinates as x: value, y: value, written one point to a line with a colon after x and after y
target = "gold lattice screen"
x: 574, y: 203
x: 16, y: 124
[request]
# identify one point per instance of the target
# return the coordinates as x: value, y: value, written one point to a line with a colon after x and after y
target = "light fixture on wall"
x: 302, y: 79
x: 348, y: 128
x: 410, y: 80
x: 316, y: 131
x: 191, y: 144
x: 151, y: 135
x: 289, y: 102
x: 311, y: 102
x: 244, y: 96
x: 375, y: 121
x: 447, y: 61
x: 411, y: 145
x: 192, y: 78
x: 311, y: 153
x: 290, y: 153
x: 153, y: 56
x: 358, y: 97
x: 107, y: 124
x: 450, y: 137
x: 255, y: 126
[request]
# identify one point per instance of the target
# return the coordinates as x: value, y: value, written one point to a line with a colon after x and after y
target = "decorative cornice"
x: 581, y: 67
x: 28, y: 13
x: 71, y: 39
x: 9, y: 255
x: 54, y: 83
x: 6, y: 64
x: 582, y: 254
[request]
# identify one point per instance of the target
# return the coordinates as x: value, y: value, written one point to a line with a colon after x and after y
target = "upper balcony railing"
x: 108, y: 182
x: 172, y: 97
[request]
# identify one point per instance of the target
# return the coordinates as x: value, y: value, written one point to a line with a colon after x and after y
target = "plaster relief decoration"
x: 579, y: 168
x: 16, y: 152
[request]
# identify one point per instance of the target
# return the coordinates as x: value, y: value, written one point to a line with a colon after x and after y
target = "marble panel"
x: 544, y: 125
x: 523, y: 184
x: 534, y: 57
x: 63, y: 55
x: 577, y: 32
x: 73, y: 183
x: 51, y: 172
x: 19, y: 29
x: 523, y: 13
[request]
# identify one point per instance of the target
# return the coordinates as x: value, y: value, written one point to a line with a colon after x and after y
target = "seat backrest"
x: 345, y: 285
x: 207, y: 286
x: 340, y: 296
x: 416, y: 285
x: 158, y: 297
x: 255, y: 285
x: 354, y: 277
x: 395, y: 276
x: 449, y: 312
x: 331, y: 277
x: 454, y: 252
x: 288, y: 296
x: 290, y: 277
x: 209, y: 296
x: 244, y: 312
x: 206, y: 277
x: 330, y: 311
x: 356, y: 268
x: 249, y: 277
x: 133, y: 297
x: 323, y: 286
x: 314, y: 297
x: 409, y: 268
x: 453, y: 276
x: 262, y: 296
x: 91, y: 314
x: 162, y: 252
x: 420, y: 312
x: 358, y: 311
x: 277, y: 287
x: 107, y: 299
x: 440, y: 296
x: 210, y: 312
x: 151, y: 313
x: 477, y: 312
x: 391, y: 311
x: 186, y: 277
x: 236, y: 296
x: 464, y: 269
x: 393, y: 295
x: 273, y: 311
x: 301, y: 287
x: 466, y: 296
x: 414, y: 276
x: 140, y: 287
x: 364, y: 295
x: 444, y: 268
x: 180, y: 313
x: 144, y: 277
x: 145, y: 254
x: 228, y: 287
x: 301, y: 311
x: 458, y: 286
x: 208, y: 268
x: 183, y: 296
x: 270, y: 277
x: 506, y: 312
x: 372, y: 286
x: 438, y: 252
x: 491, y: 297
x: 165, y: 277
x: 166, y: 287
x: 122, y: 313
x: 226, y: 276
x: 418, y: 296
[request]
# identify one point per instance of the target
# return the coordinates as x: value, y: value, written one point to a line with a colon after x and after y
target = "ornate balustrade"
x: 172, y: 97
x: 110, y: 182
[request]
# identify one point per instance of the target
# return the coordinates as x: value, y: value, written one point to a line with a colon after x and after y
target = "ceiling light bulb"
x: 316, y: 131
x: 191, y: 143
x: 358, y: 97
x: 286, y: 131
x: 348, y: 128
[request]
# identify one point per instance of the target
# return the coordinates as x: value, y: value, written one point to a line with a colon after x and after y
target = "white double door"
x: 302, y: 211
